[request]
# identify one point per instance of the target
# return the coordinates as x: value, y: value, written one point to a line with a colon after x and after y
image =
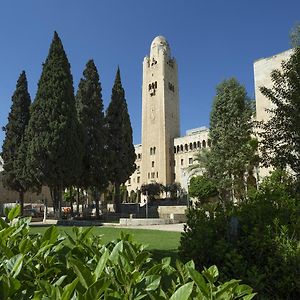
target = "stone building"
x: 163, y: 156
x: 262, y: 71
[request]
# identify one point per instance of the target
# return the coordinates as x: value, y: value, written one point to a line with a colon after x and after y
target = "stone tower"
x: 160, y: 113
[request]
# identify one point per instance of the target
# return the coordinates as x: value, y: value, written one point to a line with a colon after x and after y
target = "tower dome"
x: 159, y: 44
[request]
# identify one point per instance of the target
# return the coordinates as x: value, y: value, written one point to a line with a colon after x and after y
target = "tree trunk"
x: 117, y: 198
x: 56, y: 195
x: 77, y: 201
x: 21, y: 198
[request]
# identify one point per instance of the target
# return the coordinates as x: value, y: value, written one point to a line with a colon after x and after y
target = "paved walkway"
x: 165, y: 227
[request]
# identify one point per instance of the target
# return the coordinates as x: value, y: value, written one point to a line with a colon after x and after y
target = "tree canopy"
x: 121, y: 162
x: 230, y: 134
x: 54, y: 140
x: 14, y: 136
x: 280, y: 136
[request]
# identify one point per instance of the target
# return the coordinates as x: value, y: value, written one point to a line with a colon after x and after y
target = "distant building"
x: 163, y: 156
x: 262, y: 71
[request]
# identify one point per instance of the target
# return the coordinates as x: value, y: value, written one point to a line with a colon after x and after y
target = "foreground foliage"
x: 79, y: 266
x: 258, y: 241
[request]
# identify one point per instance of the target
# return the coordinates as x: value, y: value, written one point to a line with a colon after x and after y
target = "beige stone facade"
x: 163, y: 156
x: 262, y: 78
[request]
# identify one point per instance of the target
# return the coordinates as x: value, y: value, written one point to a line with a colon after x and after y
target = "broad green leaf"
x: 190, y: 264
x: 101, y: 264
x: 82, y: 271
x: 60, y: 280
x: 3, y: 224
x: 213, y: 271
x: 14, y: 265
x: 50, y: 235
x: 97, y: 289
x: 199, y: 280
x: 141, y: 258
x: 226, y: 286
x: 25, y: 245
x: 69, y: 289
x: 14, y: 212
x: 115, y: 252
x: 183, y: 293
x: 152, y: 282
x: 249, y: 297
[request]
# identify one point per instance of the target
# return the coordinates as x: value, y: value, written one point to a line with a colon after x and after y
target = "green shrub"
x: 258, y: 241
x: 202, y: 188
x: 79, y: 266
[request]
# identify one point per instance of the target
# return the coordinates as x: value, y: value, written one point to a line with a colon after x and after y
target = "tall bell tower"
x: 160, y: 113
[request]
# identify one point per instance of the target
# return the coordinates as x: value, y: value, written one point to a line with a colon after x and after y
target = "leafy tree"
x: 202, y: 188
x: 14, y: 137
x: 152, y: 189
x: 54, y: 140
x: 91, y: 118
x: 120, y: 146
x: 172, y: 189
x: 280, y: 144
x: 230, y: 133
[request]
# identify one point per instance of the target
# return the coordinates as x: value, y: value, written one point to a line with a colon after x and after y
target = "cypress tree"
x: 14, y: 135
x: 230, y: 134
x: 121, y: 162
x: 54, y: 139
x: 91, y: 119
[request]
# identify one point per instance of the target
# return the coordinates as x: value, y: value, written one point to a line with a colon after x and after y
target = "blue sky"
x: 211, y: 41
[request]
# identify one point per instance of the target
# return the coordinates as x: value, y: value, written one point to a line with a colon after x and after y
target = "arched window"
x: 154, y: 149
x: 195, y: 145
x: 191, y: 146
x: 203, y: 144
x: 198, y: 144
x: 209, y: 143
x: 181, y: 147
x: 186, y: 147
x: 178, y: 148
x: 151, y: 151
x: 174, y: 149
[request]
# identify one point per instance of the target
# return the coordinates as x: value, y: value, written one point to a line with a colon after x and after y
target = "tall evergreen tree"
x: 230, y: 133
x: 120, y: 145
x: 280, y: 144
x: 54, y: 139
x: 91, y: 118
x: 15, y: 129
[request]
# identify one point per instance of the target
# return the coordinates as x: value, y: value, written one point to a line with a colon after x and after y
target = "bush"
x: 258, y: 241
x: 51, y: 266
x: 202, y: 188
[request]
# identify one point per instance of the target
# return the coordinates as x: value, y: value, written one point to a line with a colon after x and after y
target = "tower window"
x: 191, y: 146
x: 152, y: 164
x: 154, y: 149
x: 156, y: 174
x: 174, y: 149
x: 186, y: 147
x: 181, y: 162
x: 171, y: 87
x: 195, y: 145
x: 203, y: 144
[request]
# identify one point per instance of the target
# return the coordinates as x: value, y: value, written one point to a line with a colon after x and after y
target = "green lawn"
x: 160, y: 243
